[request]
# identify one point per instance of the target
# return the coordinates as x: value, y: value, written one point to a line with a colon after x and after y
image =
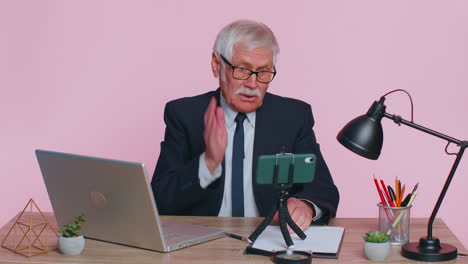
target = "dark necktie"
x: 237, y: 177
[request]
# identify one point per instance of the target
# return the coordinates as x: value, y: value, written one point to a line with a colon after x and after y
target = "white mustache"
x: 248, y: 92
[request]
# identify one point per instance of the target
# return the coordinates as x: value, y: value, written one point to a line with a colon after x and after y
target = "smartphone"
x: 304, y: 168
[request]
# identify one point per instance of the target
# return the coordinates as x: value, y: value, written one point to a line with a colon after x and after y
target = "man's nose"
x: 252, y: 82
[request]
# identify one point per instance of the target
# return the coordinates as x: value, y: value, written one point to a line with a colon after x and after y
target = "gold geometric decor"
x: 29, y: 235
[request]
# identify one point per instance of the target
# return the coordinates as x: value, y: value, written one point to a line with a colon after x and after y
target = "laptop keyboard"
x: 178, y: 236
x: 174, y: 234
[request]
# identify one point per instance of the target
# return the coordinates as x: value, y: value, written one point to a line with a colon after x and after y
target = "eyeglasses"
x: 241, y: 73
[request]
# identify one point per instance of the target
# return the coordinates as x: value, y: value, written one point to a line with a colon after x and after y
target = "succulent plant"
x: 376, y: 237
x: 73, y: 230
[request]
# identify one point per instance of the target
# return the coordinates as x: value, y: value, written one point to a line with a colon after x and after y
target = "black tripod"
x: 282, y: 207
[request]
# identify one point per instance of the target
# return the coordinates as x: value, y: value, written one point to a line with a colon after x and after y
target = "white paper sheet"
x: 320, y: 239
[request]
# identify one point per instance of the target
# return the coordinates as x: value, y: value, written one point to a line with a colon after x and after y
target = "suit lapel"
x: 264, y: 196
x: 260, y: 137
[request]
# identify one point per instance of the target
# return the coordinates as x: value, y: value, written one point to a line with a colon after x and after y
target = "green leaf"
x: 376, y: 237
x: 74, y: 229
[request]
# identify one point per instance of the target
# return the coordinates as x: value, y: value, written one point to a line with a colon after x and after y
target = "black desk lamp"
x: 363, y: 135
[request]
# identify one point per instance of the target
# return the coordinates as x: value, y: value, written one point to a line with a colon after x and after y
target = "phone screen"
x: 304, y: 168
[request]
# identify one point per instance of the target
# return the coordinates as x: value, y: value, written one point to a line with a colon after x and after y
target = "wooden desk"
x: 228, y: 250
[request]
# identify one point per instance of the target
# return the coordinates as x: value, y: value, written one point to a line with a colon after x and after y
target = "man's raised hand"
x: 215, y: 135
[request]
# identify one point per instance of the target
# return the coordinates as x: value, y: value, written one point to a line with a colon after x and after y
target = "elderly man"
x: 212, y: 141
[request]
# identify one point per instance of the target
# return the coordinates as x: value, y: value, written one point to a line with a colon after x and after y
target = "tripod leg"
x: 285, y: 197
x: 264, y: 224
x: 283, y: 211
x: 293, y: 225
x: 270, y: 216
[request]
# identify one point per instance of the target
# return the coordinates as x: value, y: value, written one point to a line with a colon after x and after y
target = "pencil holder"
x: 395, y: 221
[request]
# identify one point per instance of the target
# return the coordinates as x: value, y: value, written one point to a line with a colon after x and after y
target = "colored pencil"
x: 389, y: 198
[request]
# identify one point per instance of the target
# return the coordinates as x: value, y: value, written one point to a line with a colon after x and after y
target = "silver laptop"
x: 118, y: 201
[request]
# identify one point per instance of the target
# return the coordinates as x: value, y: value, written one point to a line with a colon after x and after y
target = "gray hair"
x: 250, y: 34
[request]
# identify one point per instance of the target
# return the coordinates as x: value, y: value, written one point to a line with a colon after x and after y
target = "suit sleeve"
x: 176, y: 185
x: 321, y: 191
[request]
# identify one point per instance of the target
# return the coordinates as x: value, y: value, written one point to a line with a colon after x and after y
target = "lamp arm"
x: 399, y: 120
x: 463, y: 145
x: 444, y: 190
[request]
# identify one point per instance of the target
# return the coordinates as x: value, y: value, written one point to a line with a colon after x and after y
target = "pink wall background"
x: 92, y: 77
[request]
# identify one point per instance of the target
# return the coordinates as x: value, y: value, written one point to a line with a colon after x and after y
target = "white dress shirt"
x: 206, y: 178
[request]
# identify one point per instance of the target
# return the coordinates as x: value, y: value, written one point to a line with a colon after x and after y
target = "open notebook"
x: 321, y: 241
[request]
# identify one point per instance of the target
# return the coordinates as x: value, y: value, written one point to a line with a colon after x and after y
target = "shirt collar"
x: 230, y: 114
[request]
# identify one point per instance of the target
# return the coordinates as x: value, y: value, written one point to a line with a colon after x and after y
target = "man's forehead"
x: 260, y: 55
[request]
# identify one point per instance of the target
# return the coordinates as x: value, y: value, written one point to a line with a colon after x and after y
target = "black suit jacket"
x: 280, y: 122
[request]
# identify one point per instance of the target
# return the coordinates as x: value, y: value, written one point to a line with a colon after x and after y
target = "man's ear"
x: 215, y: 64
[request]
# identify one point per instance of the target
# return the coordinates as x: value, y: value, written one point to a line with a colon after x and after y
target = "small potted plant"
x: 377, y: 246
x: 71, y: 241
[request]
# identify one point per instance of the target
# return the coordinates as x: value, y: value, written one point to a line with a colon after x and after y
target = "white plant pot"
x: 71, y: 245
x: 377, y: 251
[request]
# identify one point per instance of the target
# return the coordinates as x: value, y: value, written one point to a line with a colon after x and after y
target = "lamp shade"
x: 363, y: 135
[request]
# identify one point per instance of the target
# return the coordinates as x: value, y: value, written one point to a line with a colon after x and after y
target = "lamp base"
x: 430, y: 250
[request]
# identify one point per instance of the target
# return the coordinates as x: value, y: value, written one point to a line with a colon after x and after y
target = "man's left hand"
x: 301, y: 213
